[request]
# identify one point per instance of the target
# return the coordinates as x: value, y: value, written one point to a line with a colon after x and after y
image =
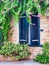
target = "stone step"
x: 34, y: 51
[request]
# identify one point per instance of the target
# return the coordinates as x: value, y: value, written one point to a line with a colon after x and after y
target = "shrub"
x: 7, y: 49
x: 22, y: 51
x: 46, y: 49
x: 19, y: 51
x: 44, y: 57
x: 41, y: 58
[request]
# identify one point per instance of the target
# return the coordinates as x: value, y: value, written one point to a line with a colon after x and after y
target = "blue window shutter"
x: 35, y: 31
x: 23, y: 30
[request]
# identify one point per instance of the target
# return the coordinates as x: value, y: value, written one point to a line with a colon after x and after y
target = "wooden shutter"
x: 23, y: 30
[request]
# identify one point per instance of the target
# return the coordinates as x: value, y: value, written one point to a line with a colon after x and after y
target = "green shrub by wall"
x: 19, y: 51
x: 44, y: 57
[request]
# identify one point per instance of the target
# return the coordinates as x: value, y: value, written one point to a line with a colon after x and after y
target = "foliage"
x: 47, y: 5
x: 46, y: 49
x: 16, y: 50
x: 43, y: 6
x: 44, y: 57
x: 6, y: 49
x: 6, y: 26
x: 17, y: 8
x: 23, y: 52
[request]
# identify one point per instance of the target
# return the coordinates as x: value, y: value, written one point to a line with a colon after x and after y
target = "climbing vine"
x: 6, y: 26
x: 16, y: 8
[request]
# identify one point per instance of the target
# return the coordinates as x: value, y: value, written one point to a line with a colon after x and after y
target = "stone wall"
x: 44, y: 26
x: 14, y: 32
x: 34, y: 51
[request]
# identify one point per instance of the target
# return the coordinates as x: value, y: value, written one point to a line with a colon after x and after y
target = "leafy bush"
x: 46, y: 49
x: 19, y: 51
x: 7, y: 49
x: 44, y: 57
x: 22, y: 51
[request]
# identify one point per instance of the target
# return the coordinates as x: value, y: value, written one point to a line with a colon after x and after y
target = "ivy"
x: 17, y: 8
x: 6, y: 26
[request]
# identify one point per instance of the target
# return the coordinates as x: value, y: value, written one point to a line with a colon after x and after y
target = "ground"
x: 28, y: 62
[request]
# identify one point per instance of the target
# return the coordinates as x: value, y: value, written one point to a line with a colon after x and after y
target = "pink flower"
x: 39, y: 15
x: 41, y: 0
x: 30, y: 13
x: 30, y: 17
